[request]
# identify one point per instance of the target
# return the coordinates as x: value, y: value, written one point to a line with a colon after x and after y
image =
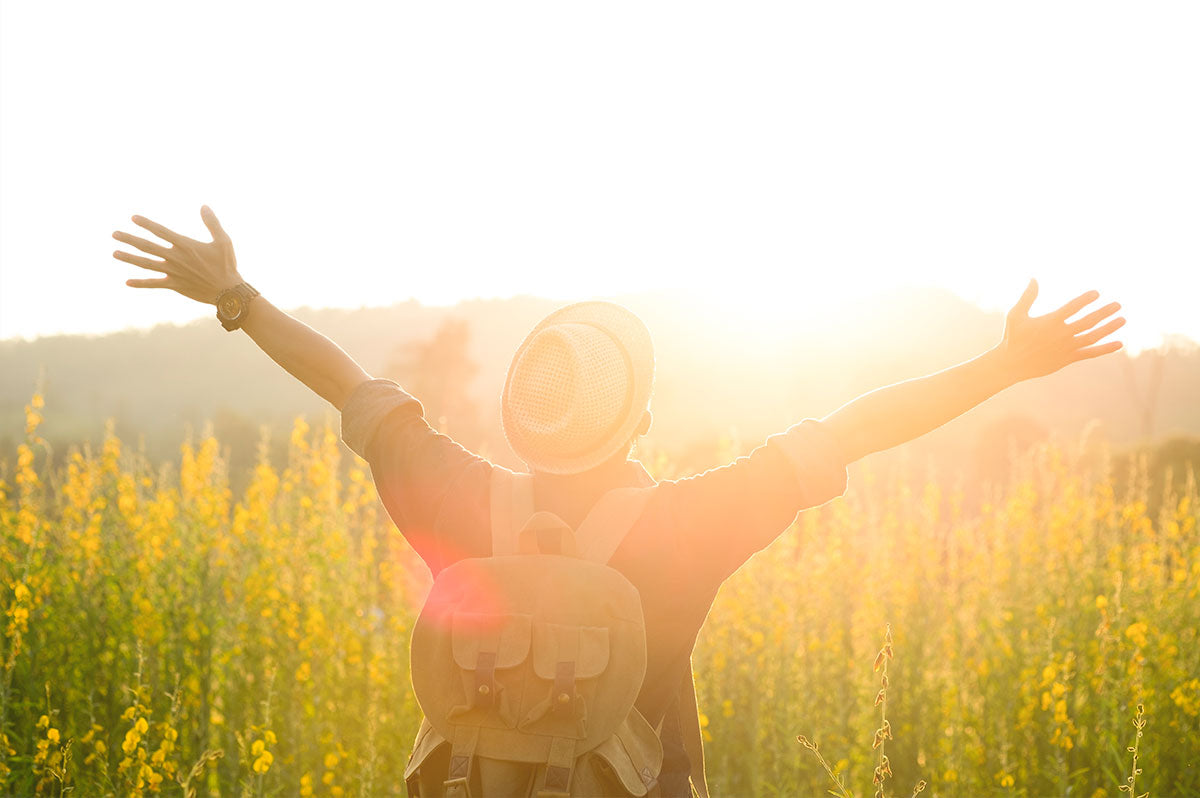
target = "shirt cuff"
x: 367, y: 406
x: 816, y: 460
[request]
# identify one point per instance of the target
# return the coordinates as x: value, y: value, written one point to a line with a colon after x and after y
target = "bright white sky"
x: 759, y: 155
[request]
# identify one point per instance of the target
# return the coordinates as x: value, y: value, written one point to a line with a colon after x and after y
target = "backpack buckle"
x: 456, y: 788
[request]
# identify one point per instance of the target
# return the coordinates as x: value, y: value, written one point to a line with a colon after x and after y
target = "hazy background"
x: 804, y: 202
x: 772, y: 156
x: 718, y: 392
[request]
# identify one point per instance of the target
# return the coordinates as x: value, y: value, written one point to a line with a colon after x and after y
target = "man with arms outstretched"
x: 575, y: 401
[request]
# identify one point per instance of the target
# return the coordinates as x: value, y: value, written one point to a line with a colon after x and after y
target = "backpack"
x: 526, y: 664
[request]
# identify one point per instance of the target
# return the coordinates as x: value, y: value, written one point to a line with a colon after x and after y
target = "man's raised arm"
x: 201, y: 270
x: 1032, y: 346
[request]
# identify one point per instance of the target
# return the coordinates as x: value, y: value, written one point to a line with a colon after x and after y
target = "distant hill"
x: 710, y: 384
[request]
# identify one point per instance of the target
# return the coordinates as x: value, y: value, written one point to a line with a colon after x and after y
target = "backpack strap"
x: 462, y: 754
x: 512, y: 505
x: 556, y: 781
x: 598, y: 536
x: 609, y: 521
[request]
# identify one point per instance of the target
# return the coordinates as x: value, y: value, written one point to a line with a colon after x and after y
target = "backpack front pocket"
x: 628, y: 763
x: 567, y: 661
x: 489, y: 650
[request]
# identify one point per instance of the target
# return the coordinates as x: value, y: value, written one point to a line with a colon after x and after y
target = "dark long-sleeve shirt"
x: 692, y: 535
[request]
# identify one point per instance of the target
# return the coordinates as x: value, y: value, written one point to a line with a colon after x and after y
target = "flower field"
x: 164, y: 636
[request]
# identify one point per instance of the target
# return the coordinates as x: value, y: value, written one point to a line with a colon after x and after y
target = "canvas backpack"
x: 526, y: 664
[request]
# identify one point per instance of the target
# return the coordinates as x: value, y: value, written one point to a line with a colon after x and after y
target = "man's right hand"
x: 199, y: 270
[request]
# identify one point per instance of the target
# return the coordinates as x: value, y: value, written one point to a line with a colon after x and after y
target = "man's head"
x: 578, y: 390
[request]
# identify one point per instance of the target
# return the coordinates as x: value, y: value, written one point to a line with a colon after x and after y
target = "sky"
x: 766, y: 159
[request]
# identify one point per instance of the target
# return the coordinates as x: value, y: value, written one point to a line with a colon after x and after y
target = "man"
x: 575, y: 401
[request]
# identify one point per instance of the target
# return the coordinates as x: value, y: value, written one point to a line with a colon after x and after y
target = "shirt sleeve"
x: 434, y: 490
x: 366, y: 408
x: 725, y: 515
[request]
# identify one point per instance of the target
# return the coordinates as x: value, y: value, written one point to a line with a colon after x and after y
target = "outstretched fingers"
x: 1026, y: 301
x: 1095, y: 317
x: 1074, y: 306
x: 149, y: 247
x: 213, y: 225
x: 1096, y: 351
x: 159, y: 282
x: 145, y: 263
x: 1102, y: 331
x: 165, y: 233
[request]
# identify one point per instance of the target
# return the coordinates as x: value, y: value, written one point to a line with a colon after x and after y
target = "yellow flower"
x: 1137, y: 633
x: 142, y: 726
x: 304, y: 672
x: 1101, y: 602
x: 263, y: 763
x: 331, y: 761
x: 257, y: 747
x: 52, y: 735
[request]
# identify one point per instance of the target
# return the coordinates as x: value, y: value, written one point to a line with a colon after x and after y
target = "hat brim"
x: 633, y: 336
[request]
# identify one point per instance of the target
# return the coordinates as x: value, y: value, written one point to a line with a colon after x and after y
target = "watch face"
x: 230, y: 305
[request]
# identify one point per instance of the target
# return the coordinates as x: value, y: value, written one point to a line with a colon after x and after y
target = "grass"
x: 163, y: 636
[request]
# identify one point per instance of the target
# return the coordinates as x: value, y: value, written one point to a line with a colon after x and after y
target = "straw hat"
x: 578, y: 387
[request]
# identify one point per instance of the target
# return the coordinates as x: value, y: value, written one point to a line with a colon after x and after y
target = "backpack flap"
x: 632, y: 757
x: 569, y: 659
x: 484, y: 646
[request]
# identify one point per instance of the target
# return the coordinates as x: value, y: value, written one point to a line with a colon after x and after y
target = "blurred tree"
x: 438, y: 372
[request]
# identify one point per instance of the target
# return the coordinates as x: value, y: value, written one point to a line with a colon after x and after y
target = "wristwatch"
x: 231, y: 305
